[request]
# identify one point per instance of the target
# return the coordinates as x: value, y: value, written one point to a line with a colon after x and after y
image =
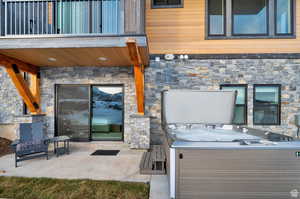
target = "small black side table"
x: 61, y: 150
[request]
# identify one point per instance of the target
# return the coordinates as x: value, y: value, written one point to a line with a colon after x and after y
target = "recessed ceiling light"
x: 102, y: 58
x: 52, y: 59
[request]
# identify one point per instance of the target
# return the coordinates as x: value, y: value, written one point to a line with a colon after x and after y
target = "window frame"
x: 278, y: 106
x: 245, y: 105
x: 271, y: 24
x: 153, y: 6
x: 224, y: 24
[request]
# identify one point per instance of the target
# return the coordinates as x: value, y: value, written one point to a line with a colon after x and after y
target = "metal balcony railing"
x: 43, y: 17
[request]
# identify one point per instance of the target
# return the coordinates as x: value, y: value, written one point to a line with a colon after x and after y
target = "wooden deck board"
x: 153, y: 162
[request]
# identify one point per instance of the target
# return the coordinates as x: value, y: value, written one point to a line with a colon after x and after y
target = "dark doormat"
x: 106, y: 152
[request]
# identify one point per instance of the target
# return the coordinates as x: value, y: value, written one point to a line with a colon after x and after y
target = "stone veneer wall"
x: 10, y: 105
x: 140, y: 135
x: 10, y: 102
x: 204, y: 74
x: 87, y: 75
x: 208, y: 74
x: 136, y: 129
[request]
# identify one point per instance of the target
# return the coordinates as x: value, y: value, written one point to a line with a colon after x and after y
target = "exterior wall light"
x: 102, y: 58
x: 52, y: 59
x: 169, y: 57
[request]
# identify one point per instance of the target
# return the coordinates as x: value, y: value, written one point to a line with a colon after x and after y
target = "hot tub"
x: 210, y: 159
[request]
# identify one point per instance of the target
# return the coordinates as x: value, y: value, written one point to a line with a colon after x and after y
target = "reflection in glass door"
x: 72, y: 111
x: 107, y: 113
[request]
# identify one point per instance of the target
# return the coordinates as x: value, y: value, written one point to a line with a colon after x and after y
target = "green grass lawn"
x: 45, y: 188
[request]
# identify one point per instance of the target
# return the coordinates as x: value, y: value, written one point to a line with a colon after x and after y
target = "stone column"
x: 140, y: 132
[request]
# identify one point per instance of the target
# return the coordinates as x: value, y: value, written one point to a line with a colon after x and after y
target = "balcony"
x: 60, y: 33
x: 71, y: 17
x: 73, y: 32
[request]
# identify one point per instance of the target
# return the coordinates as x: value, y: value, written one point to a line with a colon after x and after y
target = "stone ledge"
x: 139, y: 116
x: 28, y: 118
x: 33, y: 115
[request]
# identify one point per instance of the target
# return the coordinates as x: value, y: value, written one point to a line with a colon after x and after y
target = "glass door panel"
x: 72, y: 111
x: 73, y: 17
x: 107, y: 113
x: 83, y: 16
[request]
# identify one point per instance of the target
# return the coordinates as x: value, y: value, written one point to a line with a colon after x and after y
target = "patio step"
x: 153, y: 162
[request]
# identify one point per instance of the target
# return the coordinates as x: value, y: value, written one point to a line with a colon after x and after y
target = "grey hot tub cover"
x: 198, y: 107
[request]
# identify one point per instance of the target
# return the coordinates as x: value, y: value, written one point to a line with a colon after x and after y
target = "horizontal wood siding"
x: 134, y: 16
x: 182, y: 31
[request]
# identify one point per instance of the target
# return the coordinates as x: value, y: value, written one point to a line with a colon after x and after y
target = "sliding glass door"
x: 107, y: 113
x: 72, y: 111
x: 90, y: 112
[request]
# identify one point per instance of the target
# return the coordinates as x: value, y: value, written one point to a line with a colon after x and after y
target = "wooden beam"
x: 5, y: 61
x: 139, y: 87
x: 35, y: 88
x: 23, y: 88
x: 138, y: 74
x: 134, y: 52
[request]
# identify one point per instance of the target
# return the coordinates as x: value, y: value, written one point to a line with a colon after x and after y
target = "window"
x: 167, y: 3
x: 250, y: 18
x: 266, y: 104
x: 216, y: 10
x: 240, y: 116
x: 284, y: 10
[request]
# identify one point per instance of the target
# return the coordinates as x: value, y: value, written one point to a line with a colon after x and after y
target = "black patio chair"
x: 32, y: 142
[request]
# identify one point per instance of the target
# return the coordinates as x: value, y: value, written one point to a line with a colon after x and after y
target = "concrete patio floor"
x: 159, y: 187
x: 81, y: 165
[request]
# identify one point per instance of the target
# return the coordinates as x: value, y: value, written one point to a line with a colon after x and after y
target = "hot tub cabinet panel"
x: 235, y: 174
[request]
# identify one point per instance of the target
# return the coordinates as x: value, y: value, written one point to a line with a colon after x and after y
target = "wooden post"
x: 35, y: 88
x: 23, y: 88
x: 139, y: 87
x: 138, y: 74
